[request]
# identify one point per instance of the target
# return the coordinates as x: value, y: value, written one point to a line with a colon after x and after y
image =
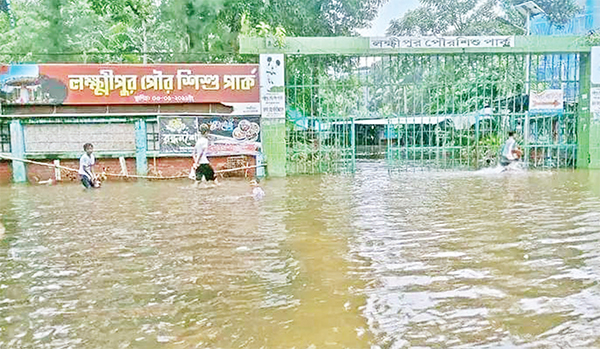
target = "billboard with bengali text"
x: 229, y: 135
x: 107, y: 84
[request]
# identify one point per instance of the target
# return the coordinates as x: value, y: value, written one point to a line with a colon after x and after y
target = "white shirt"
x: 507, y: 150
x: 85, y: 163
x: 201, y: 149
x: 258, y: 193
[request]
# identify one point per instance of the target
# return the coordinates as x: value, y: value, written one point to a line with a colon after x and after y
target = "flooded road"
x: 371, y: 260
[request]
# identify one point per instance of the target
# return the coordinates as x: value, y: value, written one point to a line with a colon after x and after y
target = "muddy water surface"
x: 372, y: 260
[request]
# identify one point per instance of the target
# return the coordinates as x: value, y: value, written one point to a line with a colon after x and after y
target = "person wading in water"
x: 86, y: 164
x: 510, y: 151
x: 203, y: 168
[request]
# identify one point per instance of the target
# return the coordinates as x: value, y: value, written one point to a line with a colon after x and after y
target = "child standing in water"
x: 86, y: 164
x: 257, y: 192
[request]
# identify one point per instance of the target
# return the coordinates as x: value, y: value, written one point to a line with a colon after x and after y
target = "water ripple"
x: 371, y: 260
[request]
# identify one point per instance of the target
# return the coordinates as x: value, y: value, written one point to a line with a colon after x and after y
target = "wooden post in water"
x: 123, y: 166
x: 57, y: 175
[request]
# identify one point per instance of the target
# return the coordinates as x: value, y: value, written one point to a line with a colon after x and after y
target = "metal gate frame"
x: 332, y: 86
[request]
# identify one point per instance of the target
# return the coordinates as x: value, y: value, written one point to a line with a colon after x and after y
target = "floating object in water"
x: 50, y: 181
x: 517, y: 153
x: 97, y: 182
x: 2, y: 230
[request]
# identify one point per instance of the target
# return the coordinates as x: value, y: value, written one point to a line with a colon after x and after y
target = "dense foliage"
x: 475, y: 17
x: 168, y: 30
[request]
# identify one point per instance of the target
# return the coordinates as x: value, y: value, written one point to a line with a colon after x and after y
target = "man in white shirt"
x: 510, y: 152
x: 86, y: 164
x: 201, y: 163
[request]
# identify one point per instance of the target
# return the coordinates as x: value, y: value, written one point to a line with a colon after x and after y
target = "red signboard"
x: 80, y: 84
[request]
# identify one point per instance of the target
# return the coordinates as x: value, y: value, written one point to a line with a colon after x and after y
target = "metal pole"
x: 10, y: 14
x: 353, y: 143
x: 528, y: 93
x: 477, y: 140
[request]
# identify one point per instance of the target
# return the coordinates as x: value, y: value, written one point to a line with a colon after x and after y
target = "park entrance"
x: 429, y: 109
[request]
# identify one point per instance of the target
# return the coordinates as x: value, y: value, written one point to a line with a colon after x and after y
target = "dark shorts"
x: 87, y: 183
x: 206, y: 171
x: 505, y: 162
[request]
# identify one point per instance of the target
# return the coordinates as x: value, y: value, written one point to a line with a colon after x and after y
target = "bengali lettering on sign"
x: 395, y: 42
x: 72, y: 84
x: 595, y: 103
x: 595, y: 99
x: 272, y: 89
x: 546, y: 101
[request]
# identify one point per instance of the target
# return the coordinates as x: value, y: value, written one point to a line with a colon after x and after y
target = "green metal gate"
x: 426, y: 111
x: 321, y: 96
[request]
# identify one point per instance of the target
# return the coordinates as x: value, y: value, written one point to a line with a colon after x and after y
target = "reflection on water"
x: 366, y: 261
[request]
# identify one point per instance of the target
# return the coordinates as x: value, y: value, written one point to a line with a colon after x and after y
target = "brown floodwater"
x: 370, y: 260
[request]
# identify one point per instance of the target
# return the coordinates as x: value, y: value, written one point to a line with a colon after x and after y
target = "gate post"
x: 274, y: 146
x: 585, y: 159
x: 273, y: 113
x: 17, y: 145
x: 141, y: 147
x: 353, y: 143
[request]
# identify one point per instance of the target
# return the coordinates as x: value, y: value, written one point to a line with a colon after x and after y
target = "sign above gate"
x: 441, y: 42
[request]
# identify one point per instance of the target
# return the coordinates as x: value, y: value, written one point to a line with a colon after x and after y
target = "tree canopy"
x: 181, y: 30
x: 475, y: 17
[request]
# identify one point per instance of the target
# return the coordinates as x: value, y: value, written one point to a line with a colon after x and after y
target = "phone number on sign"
x: 168, y: 99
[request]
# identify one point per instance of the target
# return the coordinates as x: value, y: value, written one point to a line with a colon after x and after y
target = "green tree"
x: 322, y: 17
x: 558, y: 11
x: 444, y: 17
x: 179, y: 30
x: 474, y: 17
x: 454, y: 84
x: 56, y: 30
